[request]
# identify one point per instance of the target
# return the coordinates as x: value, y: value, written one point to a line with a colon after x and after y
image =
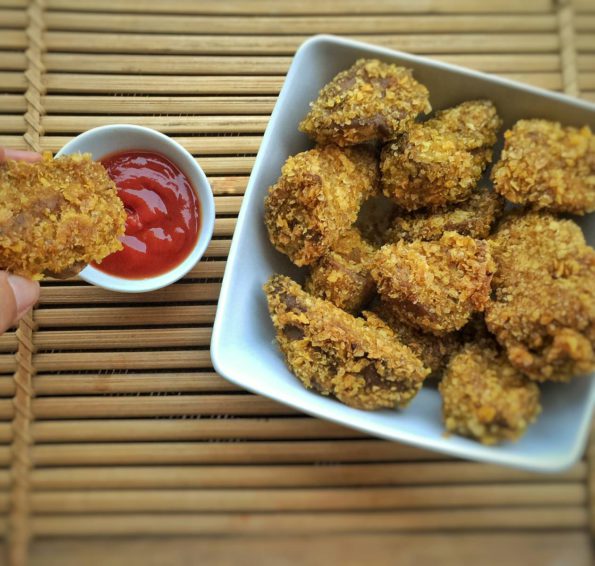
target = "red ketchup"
x: 163, y: 215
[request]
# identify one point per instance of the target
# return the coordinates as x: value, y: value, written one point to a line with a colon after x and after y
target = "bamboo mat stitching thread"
x: 19, y: 528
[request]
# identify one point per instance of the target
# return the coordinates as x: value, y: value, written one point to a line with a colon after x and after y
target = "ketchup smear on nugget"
x: 163, y: 215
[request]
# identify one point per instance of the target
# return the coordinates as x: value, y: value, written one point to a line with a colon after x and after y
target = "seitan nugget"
x: 548, y: 167
x: 370, y: 101
x: 543, y: 309
x: 332, y: 352
x: 484, y: 397
x: 474, y: 217
x: 317, y: 199
x: 342, y: 275
x: 440, y: 161
x: 57, y: 215
x: 435, y: 286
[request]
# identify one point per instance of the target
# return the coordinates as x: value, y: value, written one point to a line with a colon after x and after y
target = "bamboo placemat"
x: 113, y: 422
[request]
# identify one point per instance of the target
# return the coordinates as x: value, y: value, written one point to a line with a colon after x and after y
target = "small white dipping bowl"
x: 105, y: 140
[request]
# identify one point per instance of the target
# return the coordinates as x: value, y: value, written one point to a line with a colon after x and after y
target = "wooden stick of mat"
x: 19, y: 514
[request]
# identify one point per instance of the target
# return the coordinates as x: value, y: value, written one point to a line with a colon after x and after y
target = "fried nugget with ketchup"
x: 57, y: 215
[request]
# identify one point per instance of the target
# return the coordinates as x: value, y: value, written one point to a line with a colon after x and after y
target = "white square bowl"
x: 242, y: 347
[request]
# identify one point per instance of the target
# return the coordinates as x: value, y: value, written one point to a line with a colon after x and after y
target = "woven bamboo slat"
x: 99, y: 384
x: 522, y: 518
x: 131, y: 431
x: 253, y: 452
x: 13, y: 18
x: 255, y: 65
x: 228, y: 25
x: 148, y: 405
x: 558, y: 547
x: 85, y: 384
x: 11, y: 60
x: 63, y: 82
x: 115, y: 360
x: 163, y: 316
x: 202, y: 105
x: 139, y: 429
x: 308, y: 7
x: 262, y: 476
x: 169, y: 124
x: 182, y: 292
x: 13, y: 39
x: 322, y: 499
x: 285, y: 45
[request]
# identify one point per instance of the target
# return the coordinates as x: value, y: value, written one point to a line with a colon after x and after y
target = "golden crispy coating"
x: 440, y: 161
x: 433, y: 351
x: 548, y: 167
x: 342, y: 275
x: 474, y: 217
x: 484, y: 397
x: 435, y: 286
x: 334, y: 353
x: 57, y: 215
x: 543, y: 311
x: 317, y: 198
x: 370, y: 101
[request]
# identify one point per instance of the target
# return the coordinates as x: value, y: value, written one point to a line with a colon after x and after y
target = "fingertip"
x: 19, y: 155
x: 26, y: 293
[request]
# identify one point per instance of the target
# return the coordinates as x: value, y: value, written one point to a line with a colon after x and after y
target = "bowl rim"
x: 202, y: 190
x: 225, y: 367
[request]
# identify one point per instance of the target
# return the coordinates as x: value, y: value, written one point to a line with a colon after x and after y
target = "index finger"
x: 19, y: 155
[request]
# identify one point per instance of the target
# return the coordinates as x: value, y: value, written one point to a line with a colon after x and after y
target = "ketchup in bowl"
x: 163, y: 215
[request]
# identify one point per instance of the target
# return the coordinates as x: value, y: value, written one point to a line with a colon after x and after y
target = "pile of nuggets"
x: 417, y: 269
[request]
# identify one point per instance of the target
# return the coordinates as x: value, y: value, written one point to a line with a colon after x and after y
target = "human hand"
x: 19, y: 155
x: 17, y: 294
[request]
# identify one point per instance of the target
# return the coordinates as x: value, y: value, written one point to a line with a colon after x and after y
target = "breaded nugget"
x: 317, y: 199
x: 484, y: 397
x: 433, y: 351
x: 548, y: 167
x: 440, y: 161
x: 543, y: 310
x: 474, y: 217
x: 370, y: 101
x: 342, y: 275
x: 435, y: 286
x: 57, y: 215
x: 334, y: 353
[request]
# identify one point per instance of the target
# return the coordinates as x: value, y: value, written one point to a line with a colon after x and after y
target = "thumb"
x: 8, y: 305
x: 26, y: 293
x: 19, y: 155
x: 17, y: 295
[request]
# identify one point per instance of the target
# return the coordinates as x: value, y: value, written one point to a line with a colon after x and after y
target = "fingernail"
x: 26, y: 293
